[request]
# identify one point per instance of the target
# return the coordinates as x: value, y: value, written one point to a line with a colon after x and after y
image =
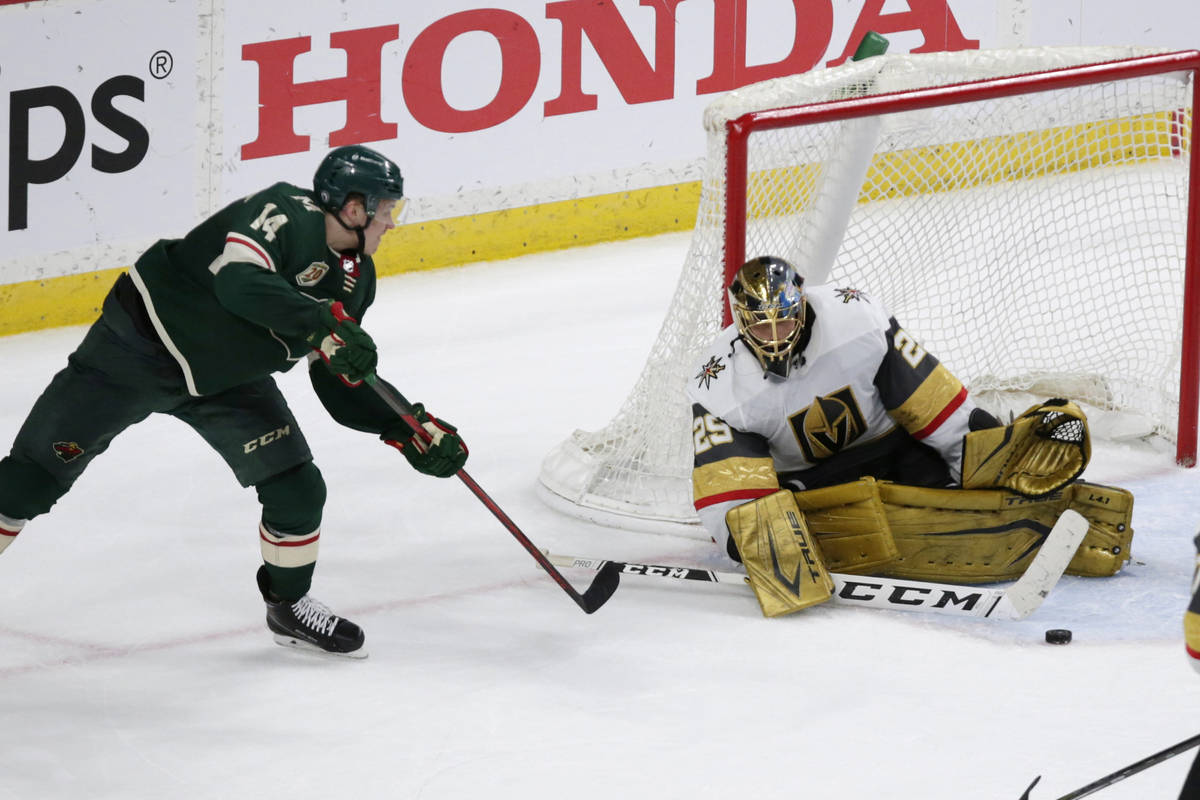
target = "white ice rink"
x: 135, y: 663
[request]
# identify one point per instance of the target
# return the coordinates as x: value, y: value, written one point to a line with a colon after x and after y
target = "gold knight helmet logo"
x: 829, y: 425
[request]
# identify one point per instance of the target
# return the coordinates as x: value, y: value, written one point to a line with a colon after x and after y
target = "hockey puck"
x: 1058, y: 636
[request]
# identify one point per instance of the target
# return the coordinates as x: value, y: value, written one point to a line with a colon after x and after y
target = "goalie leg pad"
x: 978, y: 536
x: 1109, y: 512
x: 965, y: 536
x: 850, y: 525
x: 782, y: 559
x: 1042, y: 451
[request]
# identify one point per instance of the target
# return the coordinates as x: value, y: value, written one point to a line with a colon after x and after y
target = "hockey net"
x: 1024, y: 213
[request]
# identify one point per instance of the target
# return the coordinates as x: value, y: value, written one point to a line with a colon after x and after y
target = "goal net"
x: 1024, y: 213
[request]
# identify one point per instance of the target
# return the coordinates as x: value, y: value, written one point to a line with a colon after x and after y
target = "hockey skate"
x: 308, y: 624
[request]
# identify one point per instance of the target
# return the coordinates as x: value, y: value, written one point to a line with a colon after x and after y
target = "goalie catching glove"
x: 435, y: 450
x: 1043, y: 450
x: 343, y: 345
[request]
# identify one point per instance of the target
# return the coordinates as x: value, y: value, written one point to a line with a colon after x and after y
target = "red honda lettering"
x: 932, y: 18
x: 520, y: 58
x: 279, y: 96
x: 814, y: 27
x: 627, y: 65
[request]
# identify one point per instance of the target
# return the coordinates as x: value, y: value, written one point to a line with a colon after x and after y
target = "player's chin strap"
x: 358, y: 231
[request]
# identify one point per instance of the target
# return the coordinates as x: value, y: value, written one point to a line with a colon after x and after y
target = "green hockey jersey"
x: 235, y: 298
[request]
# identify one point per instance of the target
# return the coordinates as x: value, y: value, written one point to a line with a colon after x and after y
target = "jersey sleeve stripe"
x: 241, y: 248
x: 734, y: 474
x: 950, y: 408
x: 740, y: 494
x: 934, y: 399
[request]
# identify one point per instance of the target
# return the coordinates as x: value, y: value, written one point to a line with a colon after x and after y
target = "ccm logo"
x: 909, y: 595
x: 650, y: 569
x: 23, y: 170
x: 266, y: 439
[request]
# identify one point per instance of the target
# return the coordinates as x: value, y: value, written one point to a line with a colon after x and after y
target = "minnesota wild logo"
x: 708, y: 373
x: 67, y: 451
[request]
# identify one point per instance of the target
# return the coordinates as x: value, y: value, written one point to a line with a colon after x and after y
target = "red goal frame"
x: 738, y: 133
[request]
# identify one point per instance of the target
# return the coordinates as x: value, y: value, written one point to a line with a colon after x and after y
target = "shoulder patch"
x: 709, y: 372
x: 313, y: 274
x: 847, y: 294
x: 351, y: 272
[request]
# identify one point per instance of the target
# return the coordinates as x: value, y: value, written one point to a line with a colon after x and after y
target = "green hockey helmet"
x: 355, y: 169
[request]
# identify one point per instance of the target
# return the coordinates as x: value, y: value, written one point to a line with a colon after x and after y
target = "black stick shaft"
x: 604, y: 584
x: 1138, y: 766
x: 1132, y: 769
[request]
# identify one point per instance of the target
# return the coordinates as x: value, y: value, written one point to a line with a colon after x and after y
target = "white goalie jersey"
x: 864, y: 397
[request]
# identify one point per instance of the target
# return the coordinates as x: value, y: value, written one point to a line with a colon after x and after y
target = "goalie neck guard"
x: 769, y: 306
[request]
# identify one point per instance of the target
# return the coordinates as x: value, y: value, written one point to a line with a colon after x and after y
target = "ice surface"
x: 134, y: 661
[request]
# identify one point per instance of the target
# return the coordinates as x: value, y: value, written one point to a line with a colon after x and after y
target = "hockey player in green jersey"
x: 195, y: 329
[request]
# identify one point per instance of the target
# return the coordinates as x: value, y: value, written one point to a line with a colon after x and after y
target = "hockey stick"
x: 1015, y: 602
x: 602, y: 586
x: 1122, y: 774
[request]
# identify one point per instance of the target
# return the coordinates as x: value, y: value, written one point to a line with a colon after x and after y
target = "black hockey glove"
x: 435, y: 450
x: 343, y: 345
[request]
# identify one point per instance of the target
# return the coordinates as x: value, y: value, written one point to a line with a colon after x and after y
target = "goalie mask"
x: 768, y: 304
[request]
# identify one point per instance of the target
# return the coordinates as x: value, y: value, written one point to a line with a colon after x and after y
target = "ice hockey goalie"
x: 823, y: 429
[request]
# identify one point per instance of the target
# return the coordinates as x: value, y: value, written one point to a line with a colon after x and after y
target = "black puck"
x: 1058, y: 636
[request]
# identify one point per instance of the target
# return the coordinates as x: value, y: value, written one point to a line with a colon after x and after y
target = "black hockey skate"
x: 308, y: 624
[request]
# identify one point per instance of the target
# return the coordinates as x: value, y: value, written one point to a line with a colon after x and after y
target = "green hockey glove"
x: 343, y: 345
x: 435, y: 450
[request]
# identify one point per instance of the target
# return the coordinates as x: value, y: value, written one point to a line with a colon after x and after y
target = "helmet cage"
x: 769, y: 306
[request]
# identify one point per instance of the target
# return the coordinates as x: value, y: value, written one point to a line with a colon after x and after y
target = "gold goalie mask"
x: 768, y: 304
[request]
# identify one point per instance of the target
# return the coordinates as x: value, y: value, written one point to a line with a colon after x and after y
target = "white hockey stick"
x: 1016, y: 601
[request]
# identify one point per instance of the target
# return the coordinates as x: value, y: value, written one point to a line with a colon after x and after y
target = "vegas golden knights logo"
x: 829, y: 425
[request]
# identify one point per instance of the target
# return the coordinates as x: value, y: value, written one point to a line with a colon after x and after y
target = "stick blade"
x: 1023, y: 597
x: 602, y: 588
x: 1030, y: 789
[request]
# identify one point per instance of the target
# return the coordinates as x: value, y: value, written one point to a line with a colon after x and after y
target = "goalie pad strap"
x: 782, y: 560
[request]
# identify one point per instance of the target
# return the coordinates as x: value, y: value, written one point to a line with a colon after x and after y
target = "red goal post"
x: 740, y: 130
x: 1028, y: 214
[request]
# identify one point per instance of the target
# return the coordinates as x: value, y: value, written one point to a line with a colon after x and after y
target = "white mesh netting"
x: 1034, y: 243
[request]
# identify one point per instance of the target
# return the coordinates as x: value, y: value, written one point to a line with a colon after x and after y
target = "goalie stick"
x: 602, y: 586
x: 1014, y: 602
